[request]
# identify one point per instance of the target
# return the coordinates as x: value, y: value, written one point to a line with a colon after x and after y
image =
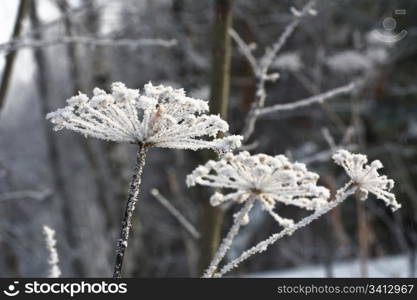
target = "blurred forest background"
x: 51, y: 49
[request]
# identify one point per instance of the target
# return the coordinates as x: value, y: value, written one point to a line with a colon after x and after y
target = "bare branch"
x: 176, y: 214
x: 308, y: 101
x: 261, y: 67
x: 270, y: 55
x: 108, y: 42
x: 246, y: 50
x: 35, y: 195
x: 11, y: 58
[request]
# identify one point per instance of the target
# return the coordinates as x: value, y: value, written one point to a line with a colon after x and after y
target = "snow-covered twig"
x: 93, y: 41
x: 263, y: 246
x: 261, y: 67
x: 270, y: 55
x: 239, y: 220
x: 245, y: 50
x: 332, y: 94
x: 176, y: 214
x: 53, y: 260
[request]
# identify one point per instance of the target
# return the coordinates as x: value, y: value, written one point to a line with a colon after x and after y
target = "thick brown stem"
x: 363, y: 239
x: 130, y: 208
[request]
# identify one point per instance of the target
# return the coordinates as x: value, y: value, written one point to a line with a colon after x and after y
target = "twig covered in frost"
x: 258, y: 177
x: 261, y: 67
x: 159, y: 117
x: 271, y: 54
x: 53, y: 260
x: 176, y: 214
x: 89, y: 41
x: 239, y: 220
x: 132, y: 199
x: 263, y: 246
x: 332, y: 94
x: 246, y: 50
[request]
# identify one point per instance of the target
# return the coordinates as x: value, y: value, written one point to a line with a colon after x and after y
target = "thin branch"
x: 32, y: 194
x: 134, y: 189
x: 270, y: 55
x: 176, y: 214
x: 91, y: 41
x: 11, y: 57
x: 246, y: 50
x: 308, y: 101
x: 261, y: 67
x: 227, y: 241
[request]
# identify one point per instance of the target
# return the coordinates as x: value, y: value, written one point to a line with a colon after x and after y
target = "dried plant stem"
x: 130, y: 208
x: 176, y: 214
x: 227, y: 241
x: 341, y: 195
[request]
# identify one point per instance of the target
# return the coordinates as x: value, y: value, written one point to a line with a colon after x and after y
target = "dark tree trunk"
x: 220, y: 82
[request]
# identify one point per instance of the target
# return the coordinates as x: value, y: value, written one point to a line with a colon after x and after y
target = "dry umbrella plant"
x: 164, y: 117
x: 272, y: 180
x: 158, y: 117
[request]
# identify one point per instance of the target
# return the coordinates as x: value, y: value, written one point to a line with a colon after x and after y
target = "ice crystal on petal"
x: 160, y: 116
x: 269, y: 179
x: 366, y: 176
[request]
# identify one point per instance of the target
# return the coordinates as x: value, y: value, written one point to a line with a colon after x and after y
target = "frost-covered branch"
x: 261, y: 67
x: 89, y: 41
x: 132, y: 199
x: 271, y: 54
x: 53, y: 260
x: 263, y: 246
x: 246, y: 50
x: 332, y: 94
x: 239, y: 220
x: 176, y: 214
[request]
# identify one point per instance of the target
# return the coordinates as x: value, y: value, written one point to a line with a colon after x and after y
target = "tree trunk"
x: 220, y: 82
x: 11, y: 56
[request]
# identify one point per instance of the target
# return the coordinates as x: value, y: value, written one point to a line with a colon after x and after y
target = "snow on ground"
x: 387, y: 266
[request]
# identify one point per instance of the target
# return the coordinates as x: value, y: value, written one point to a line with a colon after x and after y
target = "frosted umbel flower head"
x: 269, y: 179
x: 159, y: 117
x: 366, y: 177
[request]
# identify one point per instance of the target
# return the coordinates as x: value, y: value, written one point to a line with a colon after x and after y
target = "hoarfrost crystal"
x: 53, y: 259
x: 367, y: 177
x: 160, y: 117
x: 269, y: 179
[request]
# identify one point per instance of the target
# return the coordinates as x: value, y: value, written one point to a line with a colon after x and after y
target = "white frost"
x: 159, y: 117
x: 367, y: 177
x: 269, y: 179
